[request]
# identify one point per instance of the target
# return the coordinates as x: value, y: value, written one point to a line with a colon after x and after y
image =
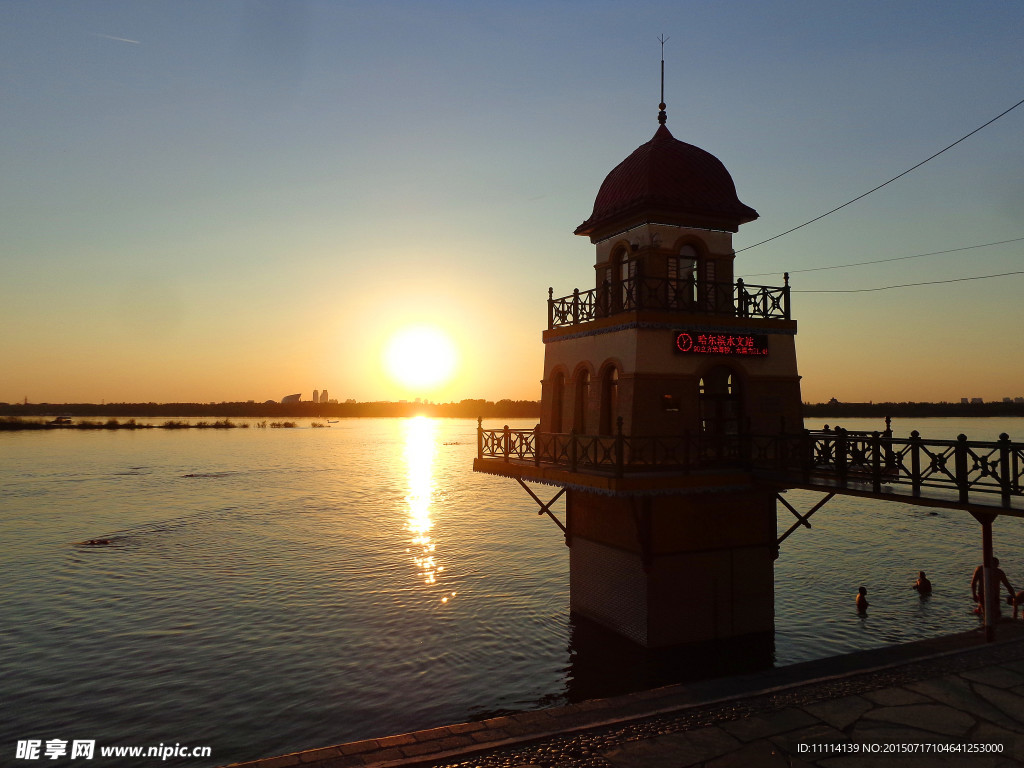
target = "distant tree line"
x: 835, y: 409
x: 502, y: 409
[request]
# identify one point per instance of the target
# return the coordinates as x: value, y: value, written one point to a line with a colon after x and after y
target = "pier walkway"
x: 983, y: 477
x: 950, y: 701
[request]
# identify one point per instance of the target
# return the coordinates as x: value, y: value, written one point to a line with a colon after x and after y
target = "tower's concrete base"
x: 666, y: 570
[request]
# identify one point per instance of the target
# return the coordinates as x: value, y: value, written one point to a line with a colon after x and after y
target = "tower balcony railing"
x: 960, y: 471
x: 682, y: 295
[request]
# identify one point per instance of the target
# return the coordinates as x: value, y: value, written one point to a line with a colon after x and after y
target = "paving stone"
x: 489, y: 734
x: 997, y: 677
x: 433, y: 733
x: 791, y: 743
x: 935, y: 718
x: 913, y: 761
x: 759, y: 754
x: 316, y: 755
x: 283, y: 761
x: 466, y: 727
x: 423, y: 748
x: 355, y: 747
x: 369, y: 758
x: 1010, y: 704
x: 759, y: 726
x: 1013, y: 743
x: 1016, y: 665
x: 895, y: 697
x: 841, y: 712
x: 954, y: 691
x: 396, y: 741
x: 672, y: 751
x: 882, y: 732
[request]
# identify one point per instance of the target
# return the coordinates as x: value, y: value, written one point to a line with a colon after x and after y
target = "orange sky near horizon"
x: 252, y: 200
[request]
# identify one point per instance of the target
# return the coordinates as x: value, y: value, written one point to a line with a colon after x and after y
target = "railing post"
x: 960, y: 453
x: 785, y: 296
x: 806, y: 455
x: 915, y: 462
x: 876, y: 462
x: 572, y: 450
x: 890, y: 455
x: 536, y: 446
x: 620, y: 452
x: 575, y: 306
x: 841, y: 455
x: 1005, y: 479
x: 607, y: 300
x: 505, y: 443
x: 551, y: 308
x: 741, y: 299
x: 479, y: 437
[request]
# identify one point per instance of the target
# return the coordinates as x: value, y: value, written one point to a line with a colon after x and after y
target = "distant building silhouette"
x: 291, y: 399
x: 323, y: 397
x: 316, y: 396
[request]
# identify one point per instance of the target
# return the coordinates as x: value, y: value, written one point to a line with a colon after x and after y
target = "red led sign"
x: 743, y: 344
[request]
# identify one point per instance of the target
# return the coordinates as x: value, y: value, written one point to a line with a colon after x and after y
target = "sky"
x: 228, y: 201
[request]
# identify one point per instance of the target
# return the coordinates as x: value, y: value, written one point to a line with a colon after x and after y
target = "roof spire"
x: 662, y: 117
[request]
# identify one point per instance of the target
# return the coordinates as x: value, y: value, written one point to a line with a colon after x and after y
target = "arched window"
x: 609, y: 400
x: 582, y: 402
x: 557, y: 398
x: 682, y: 278
x: 719, y: 402
x: 623, y: 283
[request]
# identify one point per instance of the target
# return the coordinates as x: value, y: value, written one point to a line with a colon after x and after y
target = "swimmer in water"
x: 862, y: 600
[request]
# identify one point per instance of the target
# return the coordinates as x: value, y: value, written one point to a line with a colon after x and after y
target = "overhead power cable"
x: 890, y: 181
x: 895, y: 258
x: 906, y: 285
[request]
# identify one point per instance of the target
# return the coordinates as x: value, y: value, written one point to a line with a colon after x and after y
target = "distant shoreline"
x: 502, y: 409
x: 915, y: 410
x: 508, y: 409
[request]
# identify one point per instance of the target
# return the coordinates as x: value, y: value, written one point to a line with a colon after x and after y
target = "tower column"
x: 664, y: 570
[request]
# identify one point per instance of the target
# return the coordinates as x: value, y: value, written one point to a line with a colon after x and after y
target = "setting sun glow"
x: 420, y: 358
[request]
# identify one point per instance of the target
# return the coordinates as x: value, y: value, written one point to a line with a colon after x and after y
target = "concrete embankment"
x: 948, y: 701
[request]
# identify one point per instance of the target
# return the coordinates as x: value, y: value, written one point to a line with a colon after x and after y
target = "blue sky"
x: 233, y: 201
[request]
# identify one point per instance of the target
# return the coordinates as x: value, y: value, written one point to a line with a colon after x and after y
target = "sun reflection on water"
x: 420, y: 447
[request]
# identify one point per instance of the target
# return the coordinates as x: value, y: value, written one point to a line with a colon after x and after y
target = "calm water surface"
x: 272, y: 590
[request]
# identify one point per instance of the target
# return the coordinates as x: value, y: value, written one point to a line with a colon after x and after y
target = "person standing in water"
x: 978, y: 586
x: 862, y: 600
x: 922, y: 585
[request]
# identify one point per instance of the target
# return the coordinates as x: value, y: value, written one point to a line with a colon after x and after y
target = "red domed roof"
x: 669, y: 182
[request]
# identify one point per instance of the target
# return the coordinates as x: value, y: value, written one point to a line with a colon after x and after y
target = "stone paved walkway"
x: 946, y: 702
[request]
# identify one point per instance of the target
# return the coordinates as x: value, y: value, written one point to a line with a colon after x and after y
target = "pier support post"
x: 991, y: 606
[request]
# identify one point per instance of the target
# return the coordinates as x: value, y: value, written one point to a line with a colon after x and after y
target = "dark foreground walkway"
x: 947, y: 702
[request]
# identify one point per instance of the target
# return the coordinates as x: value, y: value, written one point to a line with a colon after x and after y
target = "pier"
x: 975, y: 476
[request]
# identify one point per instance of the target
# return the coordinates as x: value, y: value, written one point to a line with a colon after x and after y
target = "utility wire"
x: 890, y: 181
x: 895, y: 258
x: 907, y: 285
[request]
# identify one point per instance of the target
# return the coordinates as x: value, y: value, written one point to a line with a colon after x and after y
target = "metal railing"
x: 611, y: 454
x: 832, y: 458
x: 683, y: 295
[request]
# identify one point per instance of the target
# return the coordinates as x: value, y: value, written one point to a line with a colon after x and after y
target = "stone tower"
x: 658, y: 383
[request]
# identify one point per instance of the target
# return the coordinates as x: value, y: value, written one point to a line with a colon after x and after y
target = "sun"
x: 420, y: 358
